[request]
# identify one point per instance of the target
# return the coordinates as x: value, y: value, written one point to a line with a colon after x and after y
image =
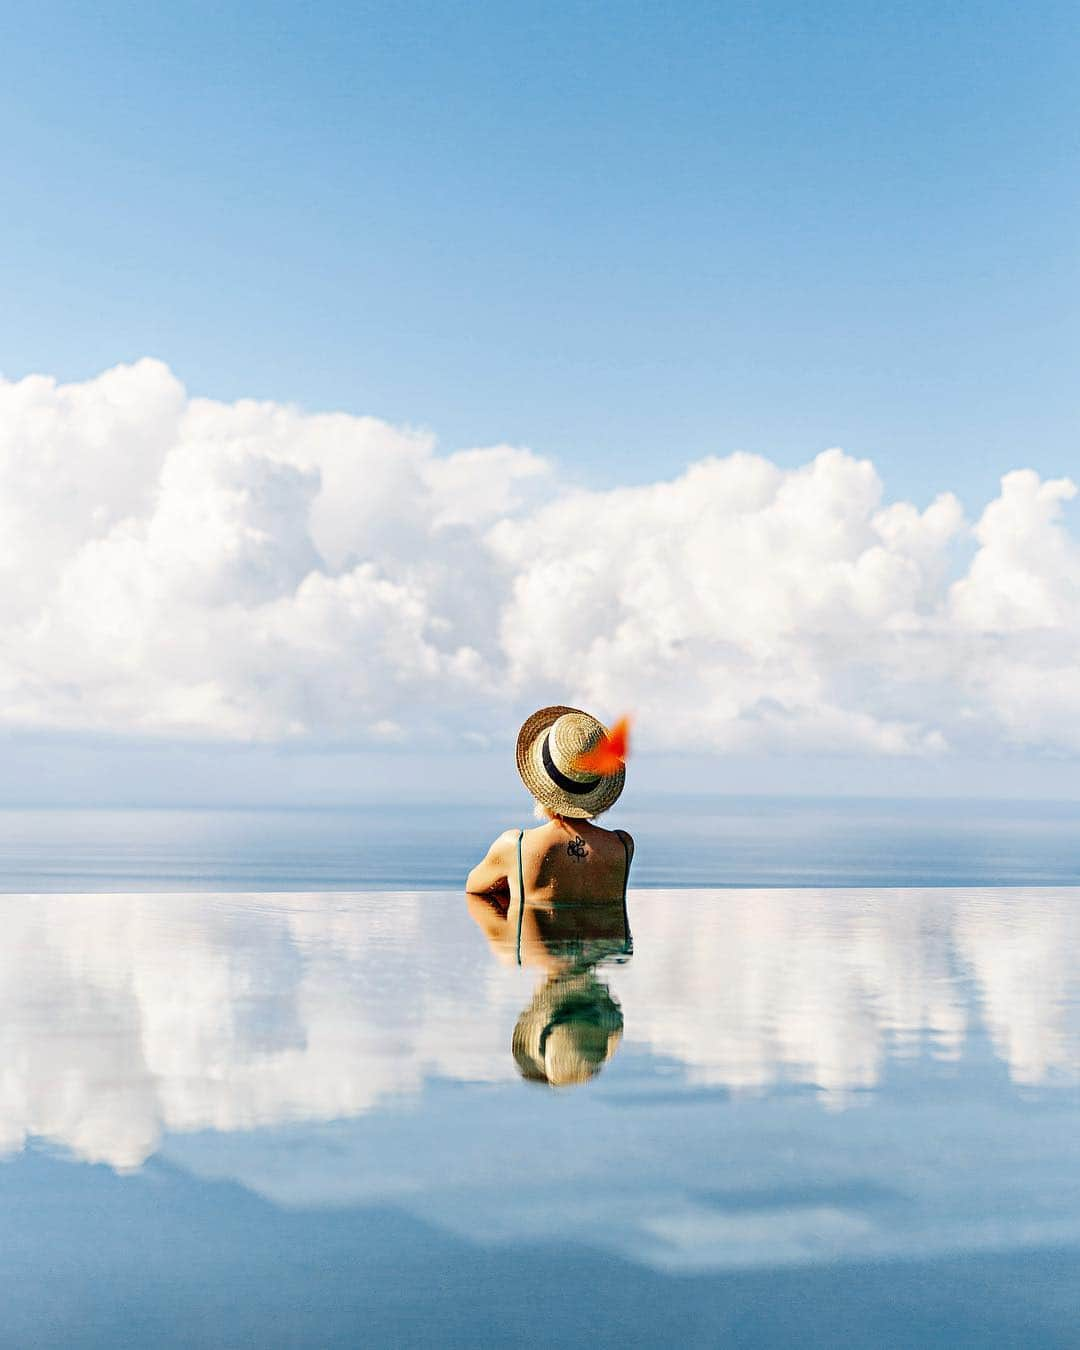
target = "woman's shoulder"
x: 620, y: 834
x: 508, y: 839
x: 626, y: 837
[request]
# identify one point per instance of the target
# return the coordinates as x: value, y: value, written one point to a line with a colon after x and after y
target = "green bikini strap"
x: 521, y: 895
x: 625, y: 884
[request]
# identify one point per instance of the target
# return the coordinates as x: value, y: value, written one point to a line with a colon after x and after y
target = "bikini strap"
x: 625, y: 884
x: 521, y: 895
x: 626, y: 852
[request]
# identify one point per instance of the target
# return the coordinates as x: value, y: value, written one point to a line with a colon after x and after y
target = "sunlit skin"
x: 573, y: 871
x: 556, y: 866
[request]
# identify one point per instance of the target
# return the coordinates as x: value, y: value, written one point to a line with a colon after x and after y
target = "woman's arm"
x: 488, y: 915
x: 493, y: 874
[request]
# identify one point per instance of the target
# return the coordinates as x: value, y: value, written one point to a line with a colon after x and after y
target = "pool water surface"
x: 822, y: 1117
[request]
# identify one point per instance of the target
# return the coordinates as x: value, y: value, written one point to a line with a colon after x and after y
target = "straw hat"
x: 548, y: 746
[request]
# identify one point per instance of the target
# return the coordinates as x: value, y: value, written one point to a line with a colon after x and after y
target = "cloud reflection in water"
x: 126, y: 1017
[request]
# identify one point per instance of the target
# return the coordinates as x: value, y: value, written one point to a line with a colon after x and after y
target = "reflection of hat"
x: 547, y: 747
x: 568, y: 1032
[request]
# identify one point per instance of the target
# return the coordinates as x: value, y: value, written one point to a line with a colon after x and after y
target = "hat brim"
x: 530, y: 765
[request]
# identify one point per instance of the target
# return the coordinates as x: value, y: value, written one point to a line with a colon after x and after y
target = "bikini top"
x: 602, y: 946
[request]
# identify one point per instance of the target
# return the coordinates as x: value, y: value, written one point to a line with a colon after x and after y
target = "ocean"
x: 725, y: 841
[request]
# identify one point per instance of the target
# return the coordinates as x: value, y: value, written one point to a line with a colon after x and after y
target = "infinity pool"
x: 834, y: 1117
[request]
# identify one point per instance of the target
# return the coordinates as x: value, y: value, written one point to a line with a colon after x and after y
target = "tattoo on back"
x: 578, y: 849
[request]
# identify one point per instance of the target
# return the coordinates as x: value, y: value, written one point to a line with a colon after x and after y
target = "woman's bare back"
x: 566, y: 862
x: 574, y: 861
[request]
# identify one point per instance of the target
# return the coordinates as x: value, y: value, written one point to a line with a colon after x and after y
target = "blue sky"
x: 625, y: 235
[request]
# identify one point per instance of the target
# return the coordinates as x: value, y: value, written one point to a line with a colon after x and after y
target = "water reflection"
x: 826, y: 987
x: 125, y: 1017
x: 572, y: 1025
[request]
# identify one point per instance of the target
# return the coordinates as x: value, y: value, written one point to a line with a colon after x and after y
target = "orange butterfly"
x: 610, y: 755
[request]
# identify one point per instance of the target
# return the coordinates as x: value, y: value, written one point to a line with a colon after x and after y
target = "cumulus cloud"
x: 182, y: 567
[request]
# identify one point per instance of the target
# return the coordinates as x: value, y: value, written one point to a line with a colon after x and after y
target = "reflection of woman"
x: 573, y: 1024
x: 569, y: 1031
x: 555, y: 896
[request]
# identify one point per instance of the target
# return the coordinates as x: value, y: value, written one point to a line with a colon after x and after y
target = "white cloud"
x: 176, y: 566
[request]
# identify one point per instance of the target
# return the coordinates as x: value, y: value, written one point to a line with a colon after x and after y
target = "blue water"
x: 298, y: 1116
x: 694, y: 843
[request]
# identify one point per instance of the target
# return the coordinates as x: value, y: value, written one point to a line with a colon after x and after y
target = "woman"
x: 567, y: 860
x: 555, y: 897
